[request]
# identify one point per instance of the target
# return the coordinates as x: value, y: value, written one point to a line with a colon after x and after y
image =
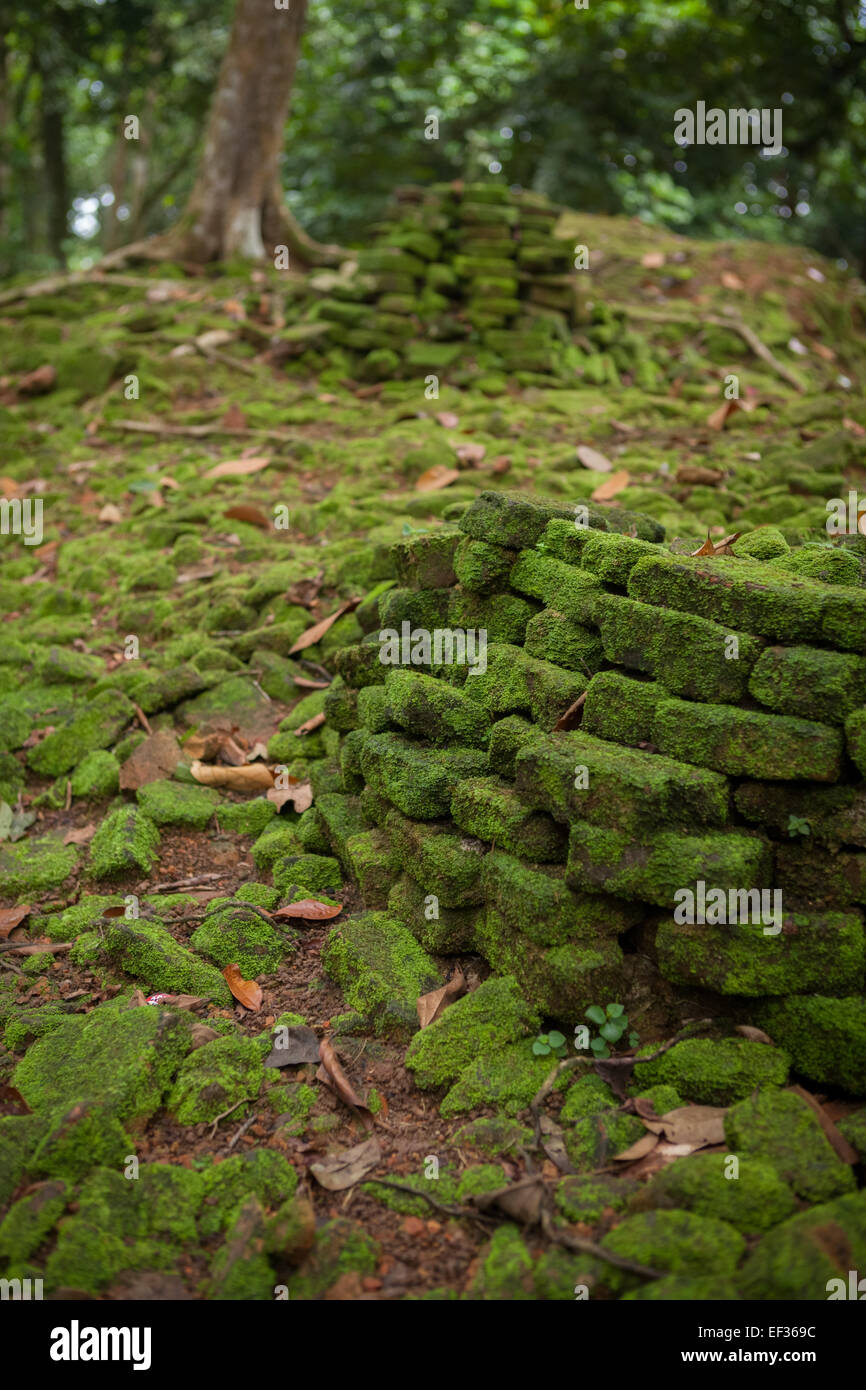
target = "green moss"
x: 715, y: 1072
x: 263, y: 1173
x: 685, y: 1289
x: 809, y: 682
x: 446, y: 864
x: 150, y: 954
x: 96, y: 775
x: 550, y: 636
x: 586, y: 1097
x: 259, y: 894
x: 341, y: 819
x: 215, y: 1077
x: 505, y: 1269
x: 293, y: 1105
x: 492, y: 1016
x: 241, y: 1271
x: 764, y: 544
x: 817, y: 562
x: 442, y: 930
x: 122, y: 1058
x: 514, y: 520
x: 125, y: 840
x: 655, y: 867
x: 855, y: 737
x: 620, y: 709
x: 597, y: 1138
x: 99, y: 725
x: 494, y: 1135
x: 317, y: 872
x: 370, y: 863
x: 443, y: 1188
x: 748, y: 743
x: 797, y: 1260
x: 87, y: 1258
x: 238, y: 935
x: 826, y: 1038
x: 381, y: 969
x: 753, y: 1201
x: 341, y: 1248
x: 28, y: 1223
x: 612, y: 557
x: 576, y: 594
x: 676, y: 1242
x: 492, y: 810
x: 79, y: 1138
x: 32, y: 867
x: 515, y: 683
x: 418, y: 781
x: 482, y: 568
x: 780, y: 1127
x: 854, y: 1129
x: 279, y: 839
x: 176, y: 803
x: 559, y: 981
x: 19, y: 1138
x: 590, y: 1199
x: 430, y: 709
x: 426, y: 561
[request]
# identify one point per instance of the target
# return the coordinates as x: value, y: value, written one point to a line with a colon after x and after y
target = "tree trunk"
x: 54, y: 155
x: 236, y: 207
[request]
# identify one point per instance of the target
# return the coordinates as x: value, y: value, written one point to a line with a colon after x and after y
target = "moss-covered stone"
x: 381, y: 970
x: 317, y: 872
x: 798, y: 1260
x: 657, y: 866
x: 559, y: 981
x: 809, y: 682
x: 96, y: 775
x: 19, y: 1138
x: 177, y: 803
x: 515, y: 683
x: 246, y: 817
x: 31, y: 867
x: 492, y: 810
x: 550, y: 636
x: 30, y: 1221
x: 125, y: 840
x: 826, y: 1038
x: 79, y: 1138
x: 591, y: 1198
x: 442, y: 930
x: 505, y: 1270
x: 236, y: 934
x: 418, y: 781
x: 278, y: 839
x: 535, y: 901
x: 752, y: 1196
x: 748, y: 743
x: 430, y: 709
x: 149, y: 953
x: 492, y: 1016
x: 481, y: 567
x: 715, y: 1071
x: 263, y: 1173
x: 676, y: 1242
x: 780, y: 1127
x: 443, y: 862
x: 99, y: 725
x: 215, y: 1077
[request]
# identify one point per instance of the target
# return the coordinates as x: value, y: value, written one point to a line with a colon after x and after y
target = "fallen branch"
x: 196, y: 431
x: 580, y: 1246
x: 736, y: 325
x: 226, y: 1113
x: 80, y: 277
x: 189, y: 882
x: 54, y: 948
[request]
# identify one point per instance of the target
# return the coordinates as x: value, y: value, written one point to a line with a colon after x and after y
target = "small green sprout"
x: 612, y: 1024
x: 547, y: 1043
x: 797, y: 825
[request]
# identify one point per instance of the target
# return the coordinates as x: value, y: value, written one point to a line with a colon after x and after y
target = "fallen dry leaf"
x: 653, y: 260
x: 254, y: 515
x: 309, y: 909
x: 301, y: 1046
x: 432, y: 479
x: 237, y: 468
x: 331, y: 1072
x: 572, y: 717
x: 448, y: 419
x: 299, y: 794
x: 247, y: 992
x: 155, y: 758
x: 616, y: 483
x: 252, y: 777
x: 694, y: 475
x: 695, y: 1125
x: 37, y: 382
x: 12, y: 917
x: 83, y: 836
x: 593, y: 460
x: 345, y: 1169
x: 746, y: 1030
x: 731, y: 281
x: 722, y: 547
x: 309, y: 725
x: 639, y: 1149
x: 110, y: 513
x: 431, y: 1005
x: 716, y: 421
x: 845, y: 1151
x: 315, y: 633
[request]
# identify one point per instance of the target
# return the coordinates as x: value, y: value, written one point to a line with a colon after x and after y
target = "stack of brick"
x: 721, y: 741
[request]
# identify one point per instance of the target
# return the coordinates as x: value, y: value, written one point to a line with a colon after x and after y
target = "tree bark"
x: 54, y: 155
x: 236, y: 207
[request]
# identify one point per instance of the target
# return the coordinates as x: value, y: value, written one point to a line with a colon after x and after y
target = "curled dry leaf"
x: 254, y: 515
x: 309, y: 725
x: 616, y: 483
x: 431, y: 1005
x: 522, y: 1201
x: 717, y: 420
x: 12, y: 917
x: 315, y: 633
x: 155, y: 758
x: 247, y: 992
x: 293, y: 1047
x: 237, y: 468
x: 311, y: 910
x: 432, y: 479
x: 252, y: 777
x: 593, y: 460
x: 344, y: 1169
x: 297, y: 794
x: 82, y: 836
x: 721, y: 547
x: 333, y: 1075
x: 746, y: 1030
x: 470, y: 455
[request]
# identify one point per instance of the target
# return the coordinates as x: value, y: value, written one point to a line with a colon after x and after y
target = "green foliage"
x: 612, y: 1023
x: 549, y: 1043
x: 798, y: 825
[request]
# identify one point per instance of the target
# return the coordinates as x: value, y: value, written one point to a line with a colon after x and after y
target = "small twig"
x: 197, y: 431
x: 225, y: 1113
x: 29, y: 948
x: 142, y: 719
x: 736, y: 325
x: 189, y: 882
x: 227, y: 361
x: 241, y: 1132
x: 434, y: 1202
x: 588, y: 1247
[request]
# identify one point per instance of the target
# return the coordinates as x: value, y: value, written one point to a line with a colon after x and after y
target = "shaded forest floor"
x: 207, y: 499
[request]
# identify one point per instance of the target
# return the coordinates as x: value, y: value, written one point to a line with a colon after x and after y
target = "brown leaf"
x: 252, y: 777
x: 333, y: 1075
x: 716, y: 421
x: 344, y: 1169
x: 448, y: 419
x: 722, y: 547
x: 693, y: 474
x: 110, y: 513
x: 639, y: 1149
x: 237, y: 468
x: 197, y: 572
x: 554, y: 1145
x: 234, y: 418
x: 593, y: 460
x: 201, y: 1033
x: 522, y: 1201
x: 304, y: 684
x: 155, y: 758
x: 432, y: 479
x: 696, y: 1125
x: 37, y: 382
x: 254, y: 515
x: 653, y: 260
x: 309, y: 725
x: 616, y: 483
x: 746, y: 1030
x: 572, y: 717
x: 841, y: 1147
x: 299, y: 794
x: 310, y: 910
x: 315, y: 633
x: 431, y: 1005
x: 305, y: 590
x: 12, y: 917
x: 83, y: 836
x: 301, y: 1046
x: 731, y: 281
x: 205, y: 746
x: 470, y: 455
x: 247, y: 992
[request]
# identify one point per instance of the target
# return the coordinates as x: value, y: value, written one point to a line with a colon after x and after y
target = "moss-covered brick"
x: 422, y: 608
x: 505, y: 1077
x: 19, y: 1137
x: 215, y: 1077
x: 340, y: 817
x: 324, y: 773
x: 502, y: 617
x: 575, y: 776
x: 341, y: 1248
x: 653, y: 867
x: 373, y: 709
x: 825, y: 1037
x: 713, y: 1071
x: 31, y: 867
x: 246, y: 817
x: 156, y: 690
x: 426, y: 561
x: 587, y: 1096
x: 444, y: 862
x: 492, y: 810
x: 481, y: 567
x: 359, y: 664
x: 150, y: 954
x: 550, y: 636
x: 831, y: 816
x: 855, y: 739
x: 815, y: 878
x: 263, y: 1172
x: 535, y: 901
x: 442, y: 930
x: 595, y: 1139
x: 515, y: 683
x: 78, y: 1138
x: 492, y: 1016
x: 809, y: 953
x: 612, y: 557
x: 279, y: 838
x: 96, y: 775
x: 780, y: 1127
x: 341, y: 706
x: 430, y: 709
x: 417, y: 780
x: 237, y: 935
x: 690, y: 656
x: 507, y: 738
x: 566, y: 541
x: 369, y: 861
x: 125, y: 840
x: 675, y: 1242
x: 29, y: 1222
x: 97, y: 726
x: 590, y: 1198
x: 120, y: 1057
x: 621, y: 709
x: 574, y: 593
x: 808, y: 1257
x: 514, y: 520
x: 318, y: 873
x: 853, y: 1127
x: 259, y: 894
x: 562, y: 981
x: 381, y: 970
x: 817, y: 562
x: 177, y: 803
x: 843, y: 618
x: 747, y: 743
x: 809, y: 682
x: 752, y: 1202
